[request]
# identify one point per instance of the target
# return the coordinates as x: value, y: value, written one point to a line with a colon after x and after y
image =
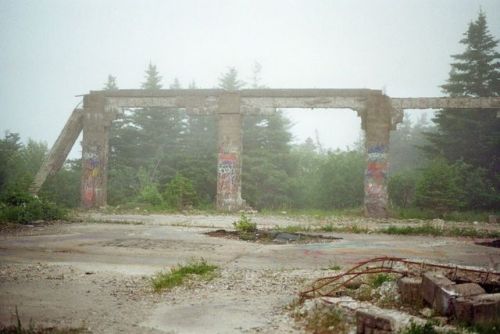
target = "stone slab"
x: 443, y: 302
x: 431, y: 281
x: 410, y: 290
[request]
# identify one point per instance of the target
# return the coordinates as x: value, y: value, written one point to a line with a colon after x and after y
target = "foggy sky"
x: 51, y: 51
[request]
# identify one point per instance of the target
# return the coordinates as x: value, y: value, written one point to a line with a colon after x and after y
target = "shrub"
x: 439, y: 187
x: 150, y: 194
x: 20, y: 207
x: 245, y: 224
x: 402, y: 189
x: 180, y: 193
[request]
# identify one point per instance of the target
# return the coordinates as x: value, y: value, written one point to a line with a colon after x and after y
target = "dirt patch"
x: 493, y: 243
x: 273, y: 237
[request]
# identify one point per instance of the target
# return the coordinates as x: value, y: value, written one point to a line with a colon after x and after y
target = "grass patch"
x: 459, y: 216
x: 429, y: 229
x: 491, y: 328
x: 245, y: 224
x: 356, y: 229
x: 376, y: 281
x: 316, y: 213
x: 179, y: 274
x: 427, y: 328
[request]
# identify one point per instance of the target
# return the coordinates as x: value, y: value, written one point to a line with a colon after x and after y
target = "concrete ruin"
x: 379, y: 115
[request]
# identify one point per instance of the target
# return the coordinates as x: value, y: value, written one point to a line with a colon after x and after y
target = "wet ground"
x: 96, y: 274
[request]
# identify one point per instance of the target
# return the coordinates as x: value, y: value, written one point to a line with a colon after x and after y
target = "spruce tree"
x: 111, y: 83
x: 153, y: 79
x: 471, y: 135
x: 230, y: 81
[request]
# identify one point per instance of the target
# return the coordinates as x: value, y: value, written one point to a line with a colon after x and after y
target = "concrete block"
x: 443, y: 301
x: 462, y: 309
x: 480, y: 309
x: 410, y: 290
x: 431, y: 281
x: 360, y: 327
x: 486, y: 308
x: 373, y: 322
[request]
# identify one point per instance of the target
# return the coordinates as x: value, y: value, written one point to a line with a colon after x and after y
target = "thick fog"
x: 51, y: 51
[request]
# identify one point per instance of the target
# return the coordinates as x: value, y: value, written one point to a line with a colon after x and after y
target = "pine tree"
x: 153, y: 79
x: 471, y: 135
x: 230, y: 81
x: 111, y: 83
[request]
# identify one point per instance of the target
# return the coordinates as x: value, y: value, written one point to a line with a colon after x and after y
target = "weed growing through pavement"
x: 245, y: 224
x: 179, y: 274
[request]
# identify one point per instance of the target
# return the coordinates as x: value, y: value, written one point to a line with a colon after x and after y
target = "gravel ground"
x: 107, y: 302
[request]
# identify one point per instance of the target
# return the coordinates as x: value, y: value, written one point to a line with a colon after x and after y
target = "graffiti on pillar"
x: 376, y: 173
x: 91, y: 176
x: 227, y: 173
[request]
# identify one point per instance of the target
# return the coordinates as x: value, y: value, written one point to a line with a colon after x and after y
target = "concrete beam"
x: 445, y: 102
x: 59, y: 152
x: 253, y: 101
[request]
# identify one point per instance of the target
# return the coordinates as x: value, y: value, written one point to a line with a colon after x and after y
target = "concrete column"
x: 377, y: 126
x: 95, y: 147
x: 229, y: 140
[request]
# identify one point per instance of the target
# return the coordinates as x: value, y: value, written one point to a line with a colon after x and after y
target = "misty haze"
x: 325, y: 166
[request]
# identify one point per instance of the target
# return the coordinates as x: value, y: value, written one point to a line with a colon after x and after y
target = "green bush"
x: 402, y: 189
x: 180, y: 193
x: 20, y: 207
x: 340, y: 182
x: 245, y: 224
x: 150, y: 194
x: 439, y: 187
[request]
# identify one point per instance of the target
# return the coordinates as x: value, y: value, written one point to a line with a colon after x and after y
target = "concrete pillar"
x: 95, y: 147
x: 229, y: 139
x: 377, y: 125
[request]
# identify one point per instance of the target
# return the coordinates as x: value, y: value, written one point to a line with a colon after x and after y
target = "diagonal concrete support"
x: 95, y: 147
x: 59, y: 152
x: 229, y: 138
x: 377, y: 124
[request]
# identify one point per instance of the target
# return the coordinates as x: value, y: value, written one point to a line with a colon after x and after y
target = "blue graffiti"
x: 377, y: 149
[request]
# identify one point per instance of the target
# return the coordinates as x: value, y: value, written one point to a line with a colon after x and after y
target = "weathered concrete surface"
x: 59, y: 152
x: 256, y: 281
x: 378, y: 127
x: 410, y: 290
x: 229, y: 137
x: 95, y: 150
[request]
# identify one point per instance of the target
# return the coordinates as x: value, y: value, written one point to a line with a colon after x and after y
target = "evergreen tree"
x: 230, y: 81
x: 111, y: 83
x: 153, y: 78
x: 176, y: 84
x: 471, y: 135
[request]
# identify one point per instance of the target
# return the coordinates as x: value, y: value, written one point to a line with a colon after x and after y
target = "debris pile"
x: 465, y: 295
